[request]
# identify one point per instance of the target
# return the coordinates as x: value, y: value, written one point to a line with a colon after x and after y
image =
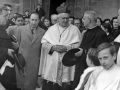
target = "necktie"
x: 32, y: 30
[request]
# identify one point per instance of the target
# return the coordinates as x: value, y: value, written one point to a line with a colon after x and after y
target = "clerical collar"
x: 92, y: 27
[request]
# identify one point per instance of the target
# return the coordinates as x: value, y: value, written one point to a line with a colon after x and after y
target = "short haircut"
x: 18, y: 16
x: 2, y: 7
x: 8, y: 5
x: 35, y: 14
x: 92, y: 15
x: 92, y: 55
x: 26, y: 18
x: 54, y: 15
x: 106, y: 45
x: 107, y: 19
x: 26, y: 10
x: 39, y: 5
x: 59, y: 15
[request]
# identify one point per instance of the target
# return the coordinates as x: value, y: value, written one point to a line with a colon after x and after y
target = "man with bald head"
x: 92, y: 38
x: 58, y: 39
x: 29, y: 38
x: 54, y: 19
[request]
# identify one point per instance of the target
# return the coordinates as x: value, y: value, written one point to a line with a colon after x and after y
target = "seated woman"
x: 92, y: 61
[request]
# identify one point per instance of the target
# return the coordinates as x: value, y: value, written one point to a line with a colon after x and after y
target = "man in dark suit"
x: 92, y: 38
x: 7, y: 70
x: 40, y: 11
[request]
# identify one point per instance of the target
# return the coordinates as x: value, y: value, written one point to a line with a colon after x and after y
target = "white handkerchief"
x: 6, y: 63
x: 118, y: 57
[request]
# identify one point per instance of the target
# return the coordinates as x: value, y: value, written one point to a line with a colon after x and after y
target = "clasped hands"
x: 59, y: 48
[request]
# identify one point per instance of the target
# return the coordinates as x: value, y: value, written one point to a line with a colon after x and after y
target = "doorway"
x: 54, y: 4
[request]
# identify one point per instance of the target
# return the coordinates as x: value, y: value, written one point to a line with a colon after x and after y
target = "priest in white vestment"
x: 59, y: 38
x: 106, y: 77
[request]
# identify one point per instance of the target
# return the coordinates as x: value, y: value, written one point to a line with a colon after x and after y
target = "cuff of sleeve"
x: 49, y: 50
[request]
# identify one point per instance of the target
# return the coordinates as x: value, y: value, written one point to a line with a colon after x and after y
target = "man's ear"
x: 89, y: 20
x: 115, y: 56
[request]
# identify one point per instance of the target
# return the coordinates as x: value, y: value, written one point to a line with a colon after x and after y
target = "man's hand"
x: 10, y: 52
x: 15, y: 45
x: 79, y: 53
x: 59, y: 48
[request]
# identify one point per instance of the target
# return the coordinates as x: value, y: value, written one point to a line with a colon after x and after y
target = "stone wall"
x: 104, y: 8
x: 16, y: 5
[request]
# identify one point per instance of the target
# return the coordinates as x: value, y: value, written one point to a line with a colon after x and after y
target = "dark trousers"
x: 54, y: 86
x: 80, y: 67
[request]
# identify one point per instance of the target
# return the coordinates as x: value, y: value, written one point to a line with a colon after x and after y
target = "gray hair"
x: 92, y: 15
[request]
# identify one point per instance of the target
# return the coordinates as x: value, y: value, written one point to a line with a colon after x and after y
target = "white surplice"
x: 118, y: 55
x: 86, y: 71
x: 57, y: 35
x: 102, y: 79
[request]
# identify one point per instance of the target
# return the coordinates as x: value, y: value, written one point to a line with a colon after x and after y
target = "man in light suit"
x: 29, y: 38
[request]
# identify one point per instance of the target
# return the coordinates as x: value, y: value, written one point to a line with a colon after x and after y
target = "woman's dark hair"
x: 113, y: 20
x: 107, y: 26
x: 92, y: 55
x: 100, y: 20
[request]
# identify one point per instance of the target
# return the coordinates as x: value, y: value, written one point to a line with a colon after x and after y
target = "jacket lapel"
x: 28, y: 32
x: 37, y: 34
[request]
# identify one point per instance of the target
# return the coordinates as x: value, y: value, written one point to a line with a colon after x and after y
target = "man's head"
x: 54, y: 19
x: 9, y: 9
x: 77, y: 22
x: 4, y: 13
x: 106, y: 54
x: 71, y: 20
x: 63, y: 19
x: 26, y: 12
x: 34, y: 20
x: 89, y: 19
x: 19, y: 20
x: 26, y: 20
x: 39, y: 6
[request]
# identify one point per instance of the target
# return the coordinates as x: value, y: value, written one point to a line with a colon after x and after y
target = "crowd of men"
x: 40, y: 44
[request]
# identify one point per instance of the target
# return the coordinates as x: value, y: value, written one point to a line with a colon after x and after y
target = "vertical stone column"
x: 40, y: 2
x: 21, y: 7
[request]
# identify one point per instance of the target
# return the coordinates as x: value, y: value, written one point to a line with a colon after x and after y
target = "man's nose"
x: 103, y: 62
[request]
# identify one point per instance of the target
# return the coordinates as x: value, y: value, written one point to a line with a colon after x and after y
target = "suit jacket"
x: 92, y: 38
x: 41, y: 12
x: 30, y: 48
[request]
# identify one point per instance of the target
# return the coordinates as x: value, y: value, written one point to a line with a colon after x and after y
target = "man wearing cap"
x: 59, y: 38
x: 92, y: 38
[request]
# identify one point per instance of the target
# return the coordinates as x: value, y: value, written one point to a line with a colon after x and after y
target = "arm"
x: 9, y: 31
x: 48, y: 47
